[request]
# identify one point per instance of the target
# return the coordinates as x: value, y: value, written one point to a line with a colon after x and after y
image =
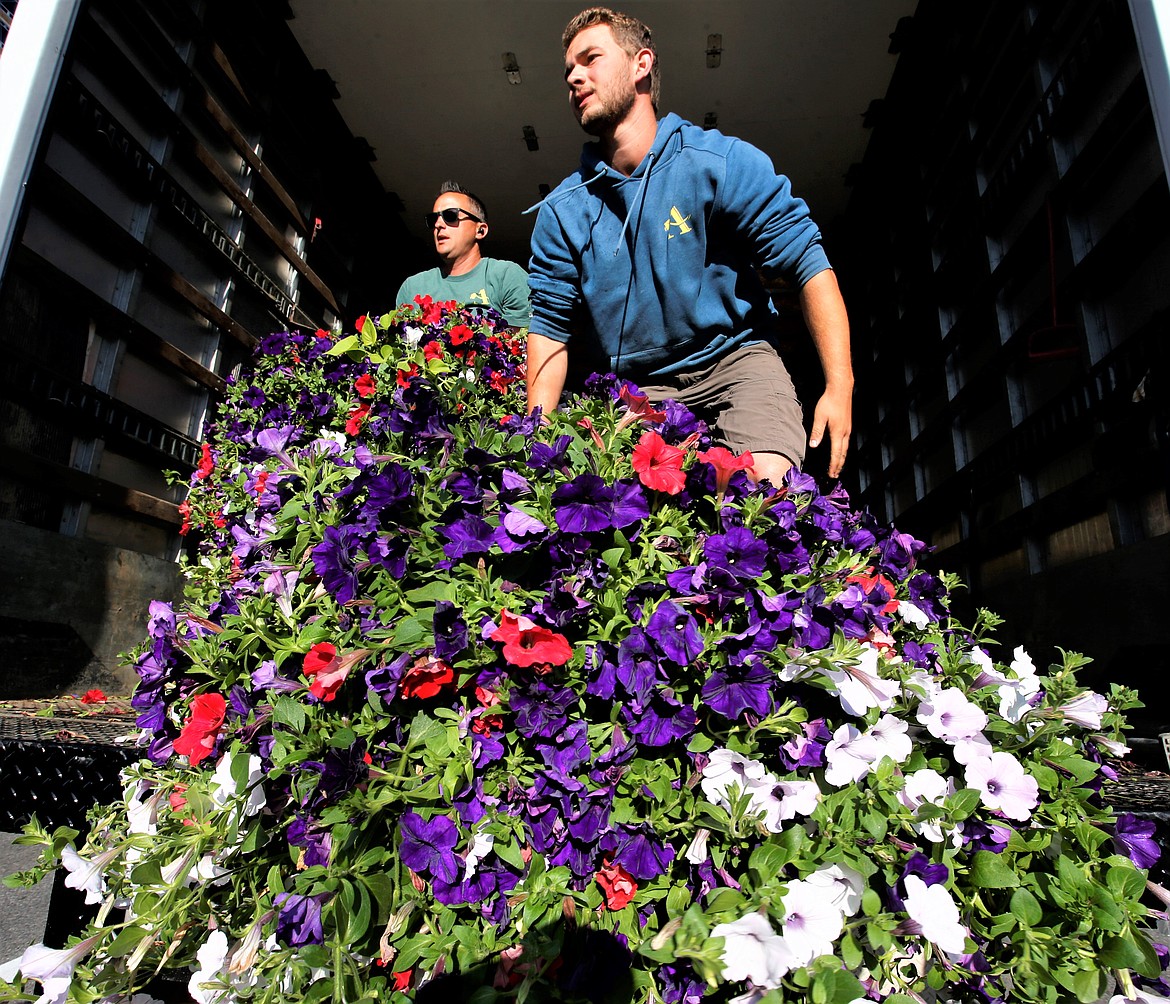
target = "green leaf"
x: 287, y: 710
x: 768, y: 860
x: 991, y: 871
x: 509, y: 851
x: 147, y: 873
x: 875, y: 824
x: 382, y: 887
x: 127, y: 941
x: 1125, y: 883
x: 343, y: 739
x: 430, y: 593
x: 1125, y: 953
x: 1026, y: 908
x: 963, y: 802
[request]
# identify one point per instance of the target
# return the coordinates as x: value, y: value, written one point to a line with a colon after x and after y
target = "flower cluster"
x: 568, y: 704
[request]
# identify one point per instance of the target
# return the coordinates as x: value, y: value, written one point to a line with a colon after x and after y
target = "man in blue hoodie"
x: 648, y: 255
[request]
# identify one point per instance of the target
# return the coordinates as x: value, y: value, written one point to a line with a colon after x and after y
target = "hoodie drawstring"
x: 635, y: 202
x: 587, y: 181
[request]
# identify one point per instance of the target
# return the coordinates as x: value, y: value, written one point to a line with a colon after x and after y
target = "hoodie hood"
x: 667, y: 143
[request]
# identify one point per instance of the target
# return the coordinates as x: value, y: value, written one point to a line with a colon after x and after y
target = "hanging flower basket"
x: 465, y: 703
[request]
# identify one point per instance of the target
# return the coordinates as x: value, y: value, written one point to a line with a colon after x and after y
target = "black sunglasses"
x: 450, y: 217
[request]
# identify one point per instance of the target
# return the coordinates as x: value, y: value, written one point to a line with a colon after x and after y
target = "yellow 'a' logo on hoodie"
x: 676, y: 220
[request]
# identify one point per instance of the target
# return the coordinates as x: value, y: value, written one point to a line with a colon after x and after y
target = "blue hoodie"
x: 659, y: 267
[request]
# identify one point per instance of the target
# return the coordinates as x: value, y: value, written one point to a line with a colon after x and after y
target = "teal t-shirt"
x: 493, y: 282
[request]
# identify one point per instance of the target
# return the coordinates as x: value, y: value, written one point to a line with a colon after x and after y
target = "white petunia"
x: 859, y: 687
x: 726, y: 768
x: 848, y: 756
x: 912, y: 615
x: 1085, y: 710
x: 926, y: 787
x: 481, y: 847
x: 226, y: 788
x: 889, y: 738
x: 935, y: 914
x: 812, y: 921
x: 88, y: 875
x: 1003, y: 784
x: 753, y: 951
x: 776, y: 800
x: 950, y: 716
x: 780, y: 801
x: 697, y: 852
x: 412, y: 335
x: 842, y: 886
x: 51, y: 967
x: 208, y: 984
x: 971, y: 748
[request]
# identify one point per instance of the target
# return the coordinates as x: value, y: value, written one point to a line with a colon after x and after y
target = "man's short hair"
x: 454, y: 188
x: 630, y: 33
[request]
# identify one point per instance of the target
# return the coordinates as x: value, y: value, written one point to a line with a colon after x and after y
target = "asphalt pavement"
x: 22, y: 911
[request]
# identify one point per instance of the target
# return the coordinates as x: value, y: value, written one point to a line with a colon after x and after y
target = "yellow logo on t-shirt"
x: 480, y: 297
x: 676, y: 220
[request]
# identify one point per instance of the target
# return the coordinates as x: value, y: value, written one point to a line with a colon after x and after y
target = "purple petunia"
x: 676, y: 633
x: 428, y: 847
x: 733, y: 691
x: 298, y: 921
x: 584, y: 504
x: 1135, y: 838
x: 470, y: 535
x: 738, y: 552
x: 333, y: 560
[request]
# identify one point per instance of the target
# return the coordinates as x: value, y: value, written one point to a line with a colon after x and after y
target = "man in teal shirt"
x: 458, y: 223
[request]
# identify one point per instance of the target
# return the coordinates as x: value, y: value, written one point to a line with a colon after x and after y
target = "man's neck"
x: 631, y: 139
x: 462, y: 265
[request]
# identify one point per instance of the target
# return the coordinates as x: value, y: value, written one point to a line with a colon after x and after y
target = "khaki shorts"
x: 746, y: 398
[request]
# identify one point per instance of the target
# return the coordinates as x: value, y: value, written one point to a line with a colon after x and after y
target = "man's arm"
x: 824, y: 313
x: 548, y: 365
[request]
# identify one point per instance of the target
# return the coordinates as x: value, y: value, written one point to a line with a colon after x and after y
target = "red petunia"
x: 356, y: 417
x: 206, y: 463
x: 185, y: 512
x: 639, y: 408
x: 499, y: 382
x: 95, y: 696
x: 526, y: 643
x: 426, y: 677
x: 726, y: 464
x: 658, y: 465
x: 198, y: 736
x: 402, y: 979
x: 867, y: 582
x: 405, y: 375
x: 261, y: 483
x: 617, y: 885
x: 325, y: 669
x: 587, y: 425
x: 365, y: 386
x: 323, y: 334
x: 359, y: 323
x: 461, y: 333
x: 433, y: 350
x: 218, y: 520
x: 487, y: 724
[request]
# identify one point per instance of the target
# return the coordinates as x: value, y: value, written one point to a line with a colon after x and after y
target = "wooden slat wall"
x: 172, y: 220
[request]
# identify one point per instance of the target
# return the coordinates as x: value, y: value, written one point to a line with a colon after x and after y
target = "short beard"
x: 608, y: 114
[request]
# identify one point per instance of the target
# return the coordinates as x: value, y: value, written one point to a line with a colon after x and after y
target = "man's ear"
x: 643, y: 61
x: 481, y: 231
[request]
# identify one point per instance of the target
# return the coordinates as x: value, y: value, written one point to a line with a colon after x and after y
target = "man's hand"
x: 824, y: 313
x: 547, y: 367
x: 834, y: 411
